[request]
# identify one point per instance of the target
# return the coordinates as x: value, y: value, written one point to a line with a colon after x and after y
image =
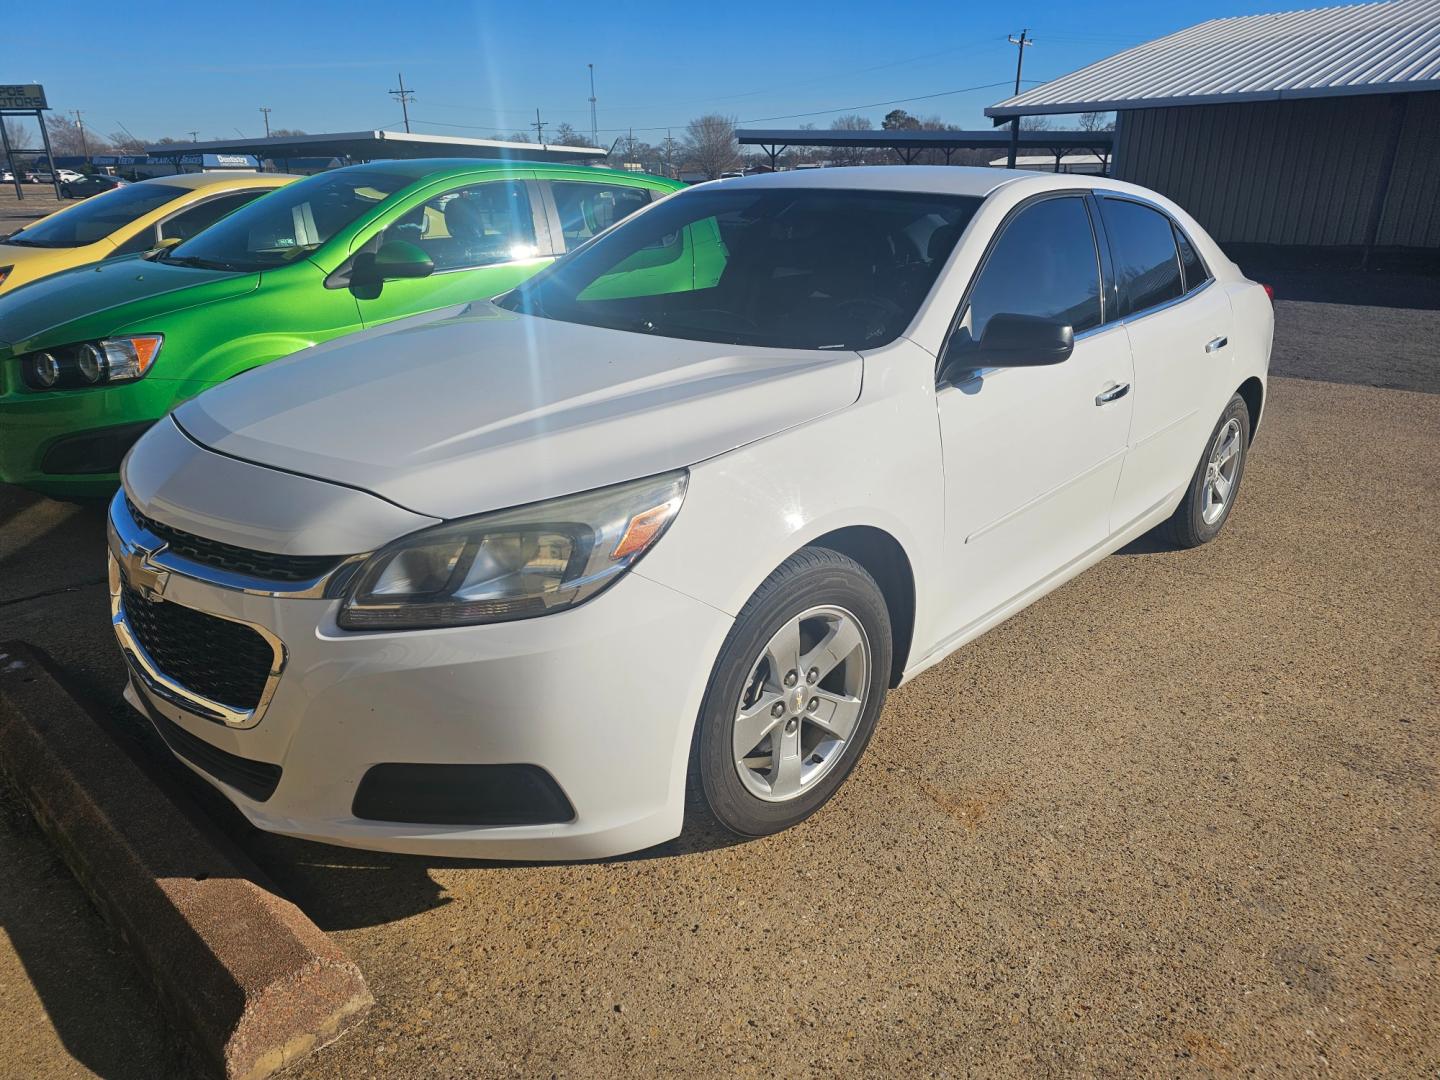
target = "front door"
x: 483, y: 237
x: 1032, y: 455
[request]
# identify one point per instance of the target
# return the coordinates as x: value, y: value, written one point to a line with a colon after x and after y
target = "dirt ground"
x: 1179, y: 816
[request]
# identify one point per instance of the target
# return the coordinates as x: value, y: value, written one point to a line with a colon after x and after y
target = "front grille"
x: 257, y: 779
x: 237, y: 560
x: 224, y: 661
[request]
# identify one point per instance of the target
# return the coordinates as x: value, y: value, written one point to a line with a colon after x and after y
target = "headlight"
x: 512, y: 564
x: 91, y: 363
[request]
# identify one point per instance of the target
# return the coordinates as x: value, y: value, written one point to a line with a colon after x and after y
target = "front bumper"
x: 603, y: 698
x: 70, y: 442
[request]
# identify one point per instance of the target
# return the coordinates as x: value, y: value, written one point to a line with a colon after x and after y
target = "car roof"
x: 440, y: 168
x: 228, y: 178
x: 950, y: 179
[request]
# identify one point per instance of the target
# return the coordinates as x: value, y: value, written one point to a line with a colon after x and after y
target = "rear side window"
x: 1195, y: 272
x: 1147, y: 265
x: 586, y: 209
x: 1044, y: 264
x: 198, y: 218
x: 476, y: 225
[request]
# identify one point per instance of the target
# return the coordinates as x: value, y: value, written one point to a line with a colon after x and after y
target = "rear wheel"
x: 794, y: 695
x: 1216, y: 483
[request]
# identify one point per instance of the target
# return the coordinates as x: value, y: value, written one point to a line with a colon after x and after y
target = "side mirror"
x: 1025, y: 341
x: 1009, y: 341
x: 395, y: 259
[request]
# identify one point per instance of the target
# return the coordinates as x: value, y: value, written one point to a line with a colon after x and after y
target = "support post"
x: 10, y: 160
x: 50, y: 157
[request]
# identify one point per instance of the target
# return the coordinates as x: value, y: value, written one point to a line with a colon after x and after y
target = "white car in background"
x: 508, y: 580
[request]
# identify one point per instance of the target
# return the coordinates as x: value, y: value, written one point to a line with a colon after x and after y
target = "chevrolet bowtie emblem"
x: 142, y: 574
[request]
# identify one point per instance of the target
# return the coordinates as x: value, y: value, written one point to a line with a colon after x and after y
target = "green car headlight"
x: 512, y: 564
x: 91, y: 363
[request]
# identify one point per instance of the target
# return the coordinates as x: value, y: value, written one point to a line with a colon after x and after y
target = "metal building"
x: 1313, y: 128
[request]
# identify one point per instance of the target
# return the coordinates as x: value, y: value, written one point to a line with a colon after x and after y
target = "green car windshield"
x: 97, y: 218
x: 289, y: 223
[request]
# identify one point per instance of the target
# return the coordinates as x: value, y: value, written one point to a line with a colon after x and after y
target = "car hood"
x: 477, y: 408
x: 49, y: 303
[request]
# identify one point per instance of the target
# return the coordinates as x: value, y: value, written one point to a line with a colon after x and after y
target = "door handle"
x: 1217, y: 344
x: 1115, y: 393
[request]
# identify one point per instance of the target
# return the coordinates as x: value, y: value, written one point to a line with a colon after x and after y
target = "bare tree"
x: 280, y: 133
x: 125, y: 144
x: 850, y: 155
x: 1097, y: 121
x: 18, y: 134
x: 566, y: 135
x: 1034, y: 123
x: 710, y: 145
x: 67, y: 140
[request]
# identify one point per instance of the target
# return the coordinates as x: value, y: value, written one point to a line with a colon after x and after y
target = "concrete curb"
x: 250, y: 982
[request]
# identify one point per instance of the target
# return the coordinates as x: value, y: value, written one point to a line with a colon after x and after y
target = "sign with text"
x: 29, y: 96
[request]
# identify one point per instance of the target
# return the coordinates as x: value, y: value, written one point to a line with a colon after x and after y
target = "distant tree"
x: 851, y: 155
x: 1097, y: 121
x: 899, y: 120
x: 280, y: 133
x: 566, y: 135
x: 122, y: 143
x: 1034, y: 123
x: 66, y: 139
x: 710, y: 146
x: 18, y: 134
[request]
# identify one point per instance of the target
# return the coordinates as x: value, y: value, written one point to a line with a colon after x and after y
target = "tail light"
x: 1269, y: 291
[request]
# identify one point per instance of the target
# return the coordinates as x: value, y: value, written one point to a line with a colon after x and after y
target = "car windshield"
x: 290, y: 222
x: 97, y: 218
x: 778, y: 267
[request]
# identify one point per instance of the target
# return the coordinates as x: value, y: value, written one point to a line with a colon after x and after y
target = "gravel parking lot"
x: 1179, y: 815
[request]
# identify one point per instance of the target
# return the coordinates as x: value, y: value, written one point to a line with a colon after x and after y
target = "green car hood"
x: 109, y: 296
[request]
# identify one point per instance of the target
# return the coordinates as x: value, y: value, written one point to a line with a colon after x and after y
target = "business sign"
x: 217, y: 161
x: 28, y: 96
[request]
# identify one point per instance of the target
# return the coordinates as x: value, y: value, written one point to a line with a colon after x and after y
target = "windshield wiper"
x: 195, y: 261
x: 18, y: 242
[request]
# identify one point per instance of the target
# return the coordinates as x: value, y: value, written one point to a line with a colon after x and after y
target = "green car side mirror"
x: 400, y: 259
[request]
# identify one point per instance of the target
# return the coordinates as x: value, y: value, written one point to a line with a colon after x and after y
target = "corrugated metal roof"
x: 1357, y: 49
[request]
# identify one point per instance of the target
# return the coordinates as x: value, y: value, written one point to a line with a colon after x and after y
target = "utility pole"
x: 84, y: 142
x: 1020, y: 43
x: 539, y: 126
x: 404, y: 96
x: 594, y: 129
x: 266, y: 111
x: 669, y: 155
x: 194, y: 136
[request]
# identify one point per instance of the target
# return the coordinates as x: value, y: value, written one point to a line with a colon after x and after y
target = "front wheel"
x: 1216, y: 483
x: 794, y: 694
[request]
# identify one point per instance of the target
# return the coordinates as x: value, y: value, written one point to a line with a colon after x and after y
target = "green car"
x: 90, y: 358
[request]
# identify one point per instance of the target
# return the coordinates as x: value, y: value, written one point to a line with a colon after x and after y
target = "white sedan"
x: 514, y: 579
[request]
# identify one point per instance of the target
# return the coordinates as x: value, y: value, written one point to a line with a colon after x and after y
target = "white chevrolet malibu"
x: 668, y: 520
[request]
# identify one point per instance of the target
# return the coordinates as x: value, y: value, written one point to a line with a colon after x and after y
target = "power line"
x: 403, y: 96
x: 766, y: 119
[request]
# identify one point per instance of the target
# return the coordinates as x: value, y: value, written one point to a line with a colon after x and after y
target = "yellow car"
x: 129, y: 220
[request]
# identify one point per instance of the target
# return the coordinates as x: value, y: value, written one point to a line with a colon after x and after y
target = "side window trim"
x: 1181, y: 234
x: 1014, y: 212
x: 1186, y: 292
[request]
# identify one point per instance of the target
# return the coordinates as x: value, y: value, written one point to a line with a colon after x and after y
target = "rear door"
x: 1032, y: 455
x: 1178, y: 324
x: 484, y: 237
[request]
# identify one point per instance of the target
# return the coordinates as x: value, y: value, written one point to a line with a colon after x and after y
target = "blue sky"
x: 478, y: 68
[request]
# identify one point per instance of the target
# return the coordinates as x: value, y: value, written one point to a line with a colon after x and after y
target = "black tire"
x: 1187, y: 527
x: 811, y: 577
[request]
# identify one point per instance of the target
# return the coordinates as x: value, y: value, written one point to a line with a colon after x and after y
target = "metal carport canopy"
x: 1382, y: 48
x: 913, y: 140
x: 380, y: 145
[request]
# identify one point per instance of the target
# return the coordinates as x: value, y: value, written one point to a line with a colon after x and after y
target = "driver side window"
x: 475, y: 225
x: 1044, y: 265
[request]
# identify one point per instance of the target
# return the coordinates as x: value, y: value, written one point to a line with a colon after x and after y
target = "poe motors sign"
x: 28, y: 97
